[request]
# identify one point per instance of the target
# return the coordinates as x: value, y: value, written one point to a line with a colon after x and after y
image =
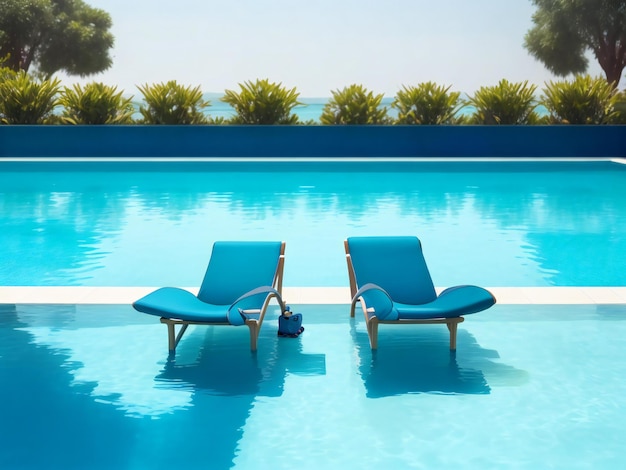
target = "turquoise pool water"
x: 530, y: 387
x: 489, y: 223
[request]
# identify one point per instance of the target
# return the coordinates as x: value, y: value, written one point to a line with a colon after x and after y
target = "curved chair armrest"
x: 378, y: 300
x: 252, y: 293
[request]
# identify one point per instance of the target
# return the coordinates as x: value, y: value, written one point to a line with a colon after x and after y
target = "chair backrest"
x: 238, y: 267
x: 396, y: 264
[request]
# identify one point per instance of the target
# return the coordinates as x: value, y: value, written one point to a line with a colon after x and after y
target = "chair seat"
x: 172, y: 302
x: 452, y: 302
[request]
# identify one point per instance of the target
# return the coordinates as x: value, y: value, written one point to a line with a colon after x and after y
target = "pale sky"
x: 320, y: 45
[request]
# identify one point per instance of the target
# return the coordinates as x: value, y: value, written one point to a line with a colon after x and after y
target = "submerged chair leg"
x: 172, y: 337
x: 254, y: 333
x: 452, y: 325
x: 353, y: 307
x: 372, y: 331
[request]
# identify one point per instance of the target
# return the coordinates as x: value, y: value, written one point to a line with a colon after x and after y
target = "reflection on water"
x: 88, y: 378
x: 213, y: 361
x: 490, y: 224
x: 416, y: 359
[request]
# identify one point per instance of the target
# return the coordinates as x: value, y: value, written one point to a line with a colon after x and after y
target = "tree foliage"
x: 427, y: 103
x: 620, y: 109
x: 263, y: 102
x: 354, y: 104
x: 505, y: 103
x: 171, y: 103
x: 584, y: 100
x: 566, y: 29
x: 25, y: 100
x: 95, y: 103
x: 55, y: 35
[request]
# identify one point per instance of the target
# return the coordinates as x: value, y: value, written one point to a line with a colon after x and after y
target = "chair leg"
x: 372, y: 331
x: 172, y: 337
x: 253, y: 325
x: 352, y: 308
x: 183, y: 328
x: 452, y: 327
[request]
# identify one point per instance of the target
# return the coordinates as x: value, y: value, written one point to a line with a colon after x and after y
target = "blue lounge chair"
x: 240, y: 281
x: 390, y: 279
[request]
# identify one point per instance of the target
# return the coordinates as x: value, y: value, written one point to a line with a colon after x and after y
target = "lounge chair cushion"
x: 236, y: 268
x: 397, y: 264
x: 453, y: 302
x: 180, y: 304
x: 172, y: 302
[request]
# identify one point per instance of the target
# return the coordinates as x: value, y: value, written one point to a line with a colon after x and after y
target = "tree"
x: 54, y: 35
x: 565, y: 29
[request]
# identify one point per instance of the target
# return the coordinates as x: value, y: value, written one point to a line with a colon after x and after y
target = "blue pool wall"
x: 314, y: 141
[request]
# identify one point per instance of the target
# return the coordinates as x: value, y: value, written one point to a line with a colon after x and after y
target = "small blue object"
x: 290, y: 324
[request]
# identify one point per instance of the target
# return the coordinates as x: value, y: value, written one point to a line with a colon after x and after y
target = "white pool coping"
x: 621, y: 160
x: 305, y: 295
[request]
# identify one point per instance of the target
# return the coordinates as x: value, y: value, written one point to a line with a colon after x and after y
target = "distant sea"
x: 310, y: 110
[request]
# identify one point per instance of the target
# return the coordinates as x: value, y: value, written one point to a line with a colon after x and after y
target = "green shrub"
x: 6, y: 72
x: 95, y: 103
x: 584, y: 100
x: 620, y: 109
x: 262, y: 102
x: 217, y: 120
x: 505, y: 103
x: 171, y: 103
x: 354, y: 105
x: 427, y: 103
x: 25, y: 100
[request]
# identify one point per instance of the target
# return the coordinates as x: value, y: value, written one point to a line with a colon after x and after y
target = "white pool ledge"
x: 304, y: 295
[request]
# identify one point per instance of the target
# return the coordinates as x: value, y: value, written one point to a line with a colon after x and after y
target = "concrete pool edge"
x: 578, y: 295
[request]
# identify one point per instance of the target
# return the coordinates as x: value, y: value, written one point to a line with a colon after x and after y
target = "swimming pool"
x: 149, y: 224
x: 530, y: 386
